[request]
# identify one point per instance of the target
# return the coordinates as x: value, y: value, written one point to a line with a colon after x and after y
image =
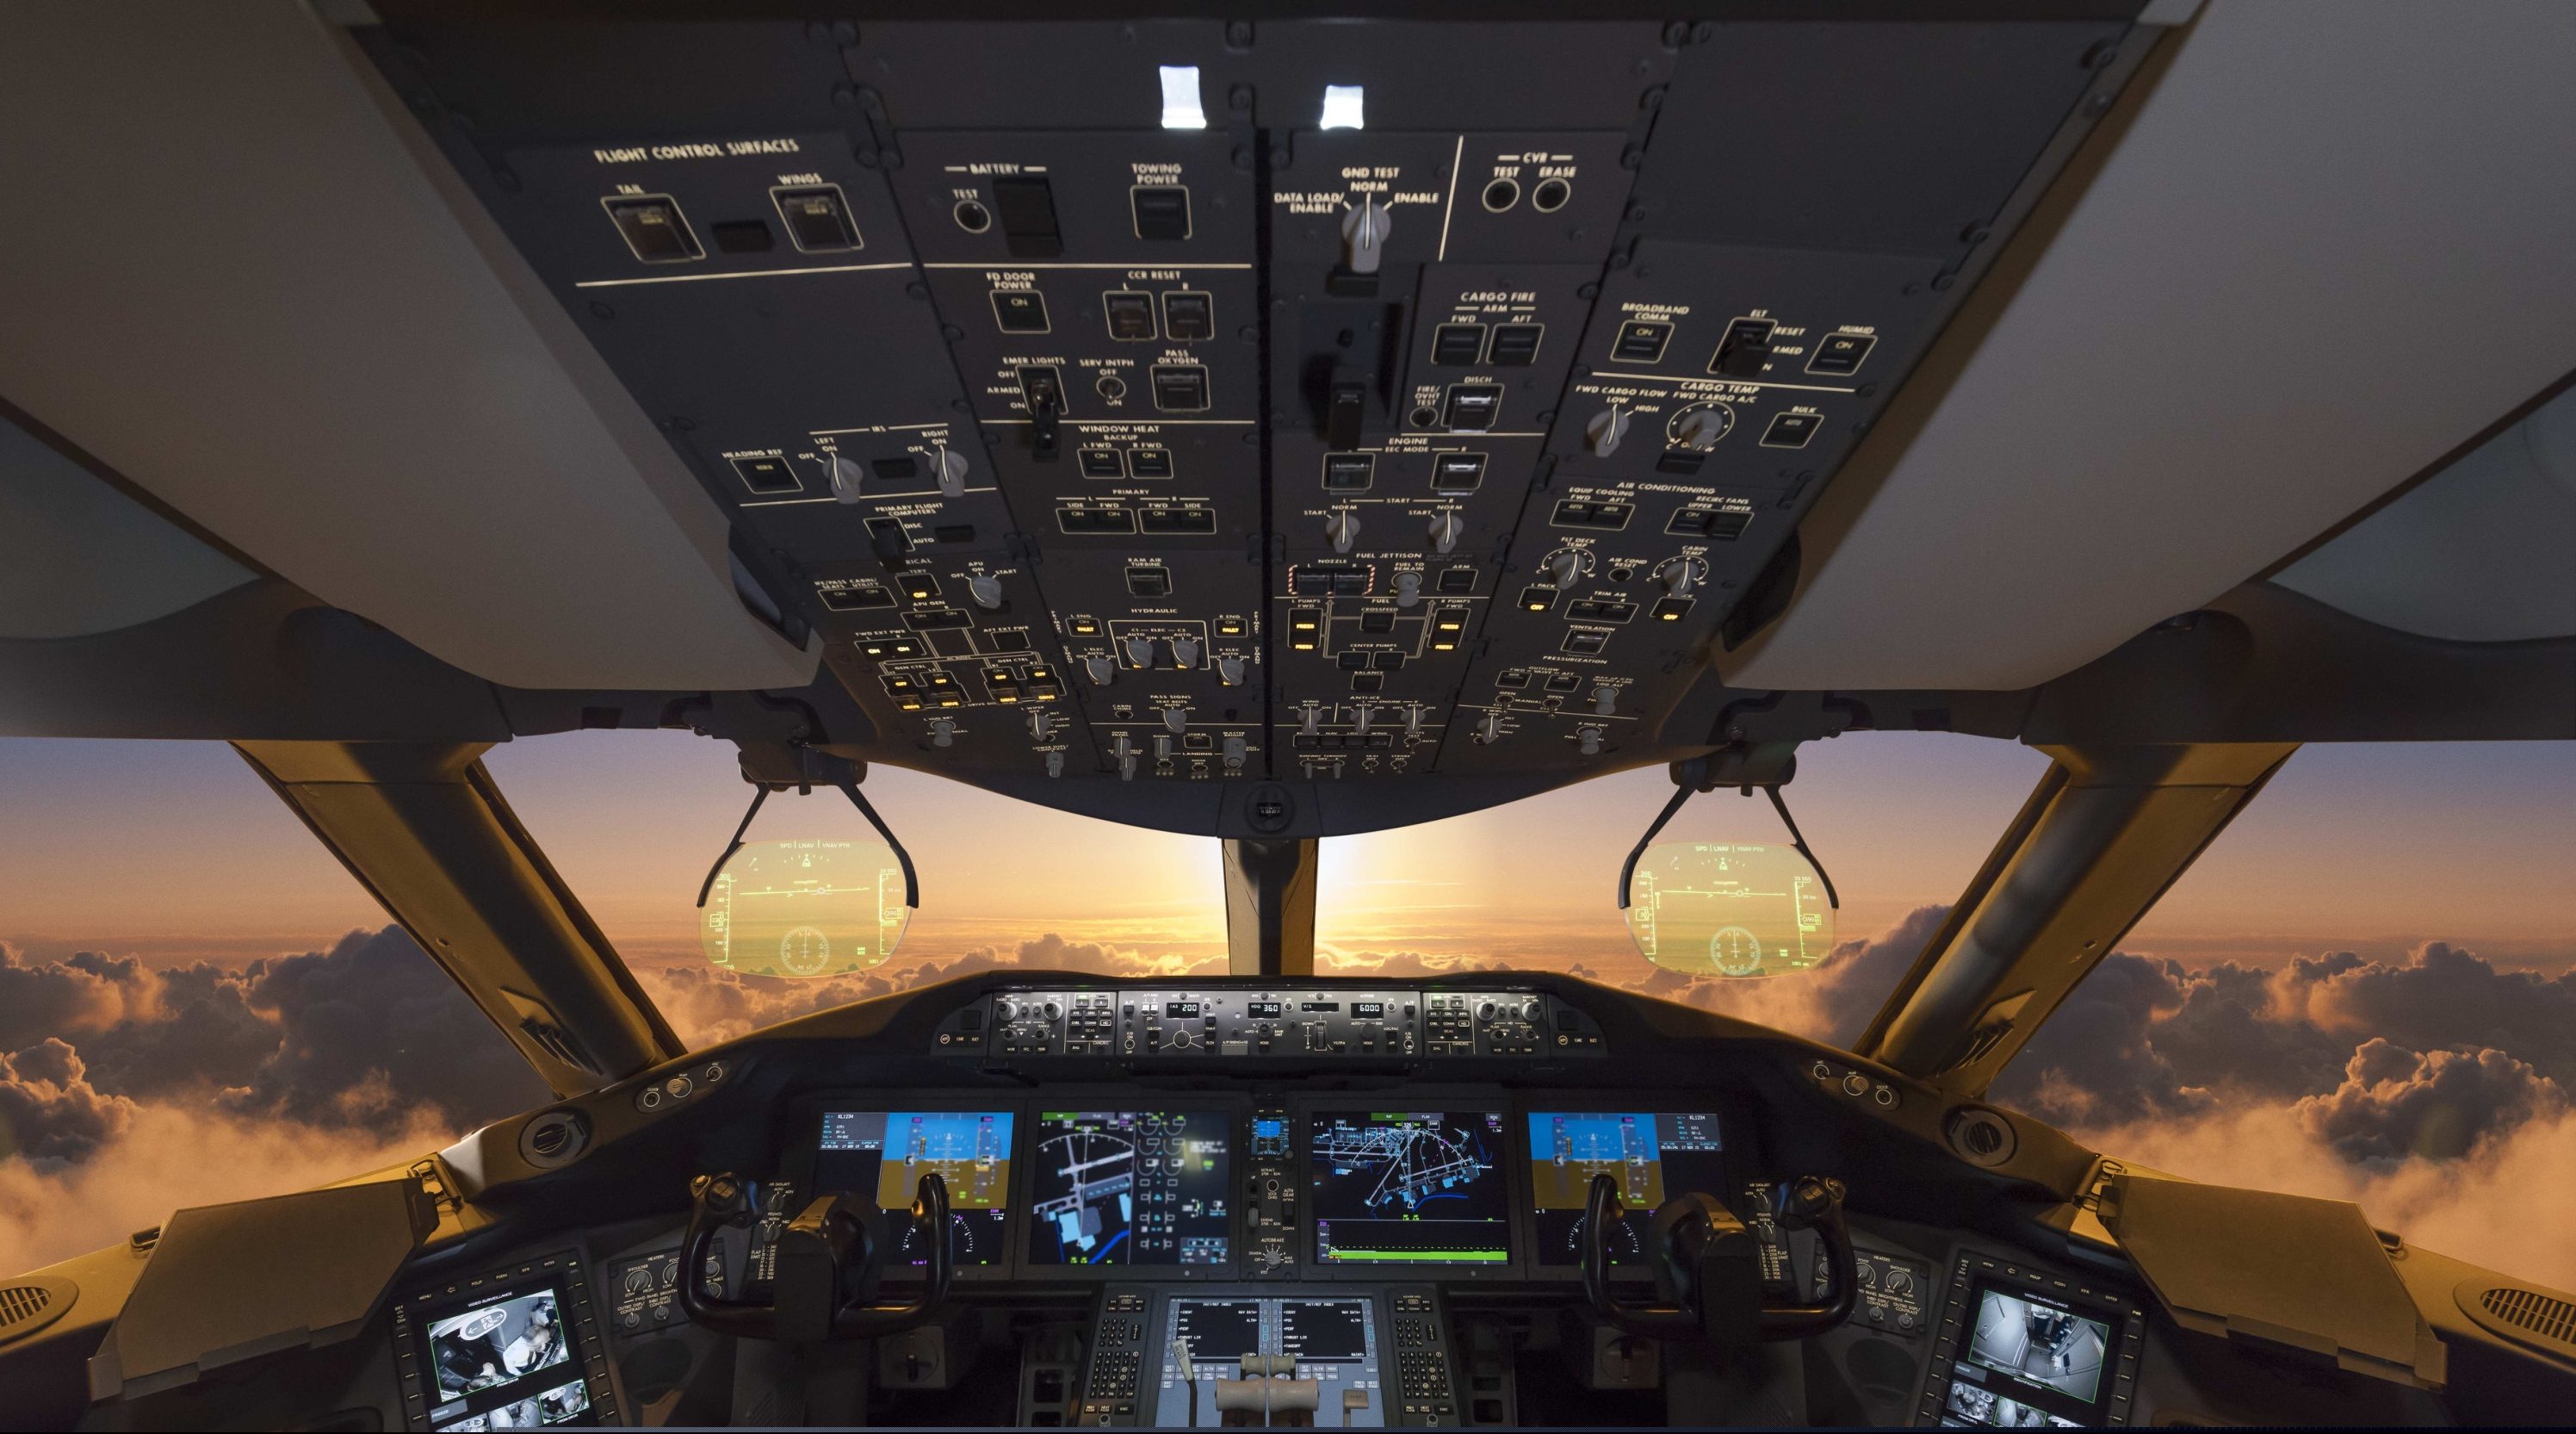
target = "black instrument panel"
x: 1108, y: 1183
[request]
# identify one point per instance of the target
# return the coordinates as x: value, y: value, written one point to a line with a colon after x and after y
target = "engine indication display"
x: 888, y: 1152
x: 1652, y: 1156
x: 1421, y: 1187
x: 1131, y: 1188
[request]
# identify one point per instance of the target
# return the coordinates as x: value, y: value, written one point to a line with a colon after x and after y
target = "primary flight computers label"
x: 1653, y: 1157
x: 888, y: 1152
x: 1131, y: 1188
x: 1419, y: 1187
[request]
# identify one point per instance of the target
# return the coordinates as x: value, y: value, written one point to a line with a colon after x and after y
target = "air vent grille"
x: 2551, y: 1319
x: 30, y: 1304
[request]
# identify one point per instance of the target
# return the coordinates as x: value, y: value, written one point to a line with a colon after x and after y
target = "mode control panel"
x: 1302, y: 1024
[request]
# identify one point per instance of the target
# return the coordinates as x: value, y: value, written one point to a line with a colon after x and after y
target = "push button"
x: 818, y: 218
x: 1457, y: 472
x: 1149, y: 463
x: 654, y: 228
x: 1791, y: 430
x: 1516, y: 345
x: 1641, y: 342
x: 1188, y: 317
x: 1458, y: 345
x: 1841, y: 353
x: 1162, y: 211
x: 767, y: 475
x: 1131, y: 315
x: 1100, y: 463
x: 1026, y: 206
x: 1020, y: 311
x: 1180, y: 388
x: 1474, y: 407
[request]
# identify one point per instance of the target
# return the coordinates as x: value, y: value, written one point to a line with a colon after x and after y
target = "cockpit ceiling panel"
x: 1101, y: 448
x: 2327, y: 250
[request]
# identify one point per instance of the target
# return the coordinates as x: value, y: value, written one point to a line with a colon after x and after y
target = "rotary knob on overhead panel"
x: 943, y: 732
x: 1365, y: 227
x: 1103, y: 670
x: 845, y: 480
x: 1361, y: 716
x: 1588, y: 741
x: 1139, y: 650
x: 1342, y: 528
x: 1605, y: 699
x: 986, y: 590
x: 1310, y: 720
x: 1177, y: 719
x: 949, y: 467
x: 1162, y: 746
x: 1445, y: 531
x: 1229, y: 671
x: 1699, y: 426
x: 1041, y: 724
x: 1679, y: 576
x: 1564, y: 566
x: 1185, y: 653
x: 1490, y: 729
x: 1602, y: 434
x: 1055, y: 763
x: 1413, y: 721
x: 1408, y: 588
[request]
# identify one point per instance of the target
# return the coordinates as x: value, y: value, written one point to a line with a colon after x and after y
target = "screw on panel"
x: 1676, y: 34
x: 1239, y: 97
x: 1238, y: 34
x: 600, y: 310
x: 1652, y: 99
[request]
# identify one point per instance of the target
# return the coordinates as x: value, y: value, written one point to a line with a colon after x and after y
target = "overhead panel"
x: 1239, y: 466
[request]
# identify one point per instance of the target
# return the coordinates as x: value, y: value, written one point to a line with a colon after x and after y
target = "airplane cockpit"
x: 1272, y: 425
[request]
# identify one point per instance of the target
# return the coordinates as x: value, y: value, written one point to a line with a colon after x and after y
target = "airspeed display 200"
x: 1424, y: 1187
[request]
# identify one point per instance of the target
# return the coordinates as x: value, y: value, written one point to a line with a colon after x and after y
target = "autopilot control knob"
x: 1179, y: 1039
x: 1176, y: 719
x: 1408, y: 588
x: 1485, y: 1011
x: 1103, y: 670
x: 986, y: 590
x: 1365, y: 227
x: 949, y: 467
x: 1185, y: 653
x: 1529, y: 1012
x: 1445, y: 531
x: 1342, y: 527
x: 1602, y: 434
x: 1140, y: 651
x: 1564, y: 566
x: 1006, y: 1011
x: 845, y: 480
x: 1678, y: 576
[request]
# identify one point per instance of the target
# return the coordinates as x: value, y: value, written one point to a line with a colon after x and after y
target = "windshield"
x: 2366, y: 988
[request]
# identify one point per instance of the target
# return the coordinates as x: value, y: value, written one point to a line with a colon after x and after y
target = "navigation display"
x: 1131, y: 1188
x: 2032, y: 1362
x: 1418, y: 1187
x: 1653, y: 1156
x: 888, y: 1152
x: 504, y: 1361
x: 1331, y: 1338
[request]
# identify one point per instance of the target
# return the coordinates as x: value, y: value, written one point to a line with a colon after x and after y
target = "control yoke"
x: 1709, y: 1268
x: 831, y: 1258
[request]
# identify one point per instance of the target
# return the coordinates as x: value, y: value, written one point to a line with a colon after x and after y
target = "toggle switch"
x: 943, y: 732
x: 1603, y: 432
x: 1055, y: 764
x: 1605, y: 699
x: 1343, y: 528
x: 1413, y: 722
x: 1361, y: 716
x: 1162, y: 747
x: 1310, y: 720
x: 1365, y: 227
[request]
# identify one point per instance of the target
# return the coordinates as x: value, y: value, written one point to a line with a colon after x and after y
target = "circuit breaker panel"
x: 1270, y: 416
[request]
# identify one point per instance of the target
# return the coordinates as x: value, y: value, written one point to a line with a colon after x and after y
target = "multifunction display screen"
x: 1409, y: 1187
x: 1131, y: 1188
x: 504, y: 1361
x: 887, y: 1153
x: 1331, y: 1338
x: 1652, y: 1156
x: 2031, y: 1362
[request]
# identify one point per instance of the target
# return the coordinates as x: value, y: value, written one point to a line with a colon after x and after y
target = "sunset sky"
x: 173, y: 851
